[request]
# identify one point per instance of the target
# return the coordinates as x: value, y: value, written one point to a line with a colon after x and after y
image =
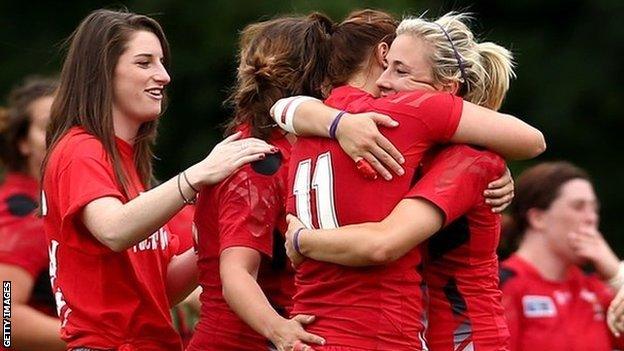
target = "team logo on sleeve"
x: 536, y: 306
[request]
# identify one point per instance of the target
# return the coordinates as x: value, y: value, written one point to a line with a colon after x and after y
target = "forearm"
x: 411, y: 222
x: 247, y: 300
x: 182, y: 276
x: 33, y: 330
x: 120, y: 226
x: 352, y: 245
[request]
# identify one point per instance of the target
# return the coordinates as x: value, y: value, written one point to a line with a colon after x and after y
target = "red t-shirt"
x: 461, y: 266
x: 22, y: 239
x: 105, y: 299
x: 555, y: 315
x: 373, y: 308
x: 246, y: 209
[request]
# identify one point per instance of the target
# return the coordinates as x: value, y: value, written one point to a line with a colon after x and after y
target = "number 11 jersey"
x: 370, y: 308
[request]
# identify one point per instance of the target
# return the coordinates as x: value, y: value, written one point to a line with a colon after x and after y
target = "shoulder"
x: 417, y: 99
x: 511, y: 274
x: 74, y: 146
x: 462, y: 158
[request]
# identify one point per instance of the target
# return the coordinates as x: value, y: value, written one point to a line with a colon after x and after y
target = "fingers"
x: 502, y: 181
x: 499, y: 192
x: 388, y: 154
x: 311, y: 338
x: 377, y: 166
x: 304, y: 318
x: 501, y: 202
x: 383, y: 120
x: 231, y: 138
x: 365, y: 169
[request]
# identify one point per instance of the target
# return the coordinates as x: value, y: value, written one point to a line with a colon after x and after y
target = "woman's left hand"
x: 500, y: 192
x: 293, y: 225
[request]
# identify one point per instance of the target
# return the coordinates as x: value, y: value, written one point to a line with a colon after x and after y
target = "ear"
x: 380, y: 53
x: 452, y: 88
x: 535, y: 218
x: 24, y: 147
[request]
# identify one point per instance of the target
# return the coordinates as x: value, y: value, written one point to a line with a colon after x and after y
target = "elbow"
x: 382, y: 253
x: 540, y: 145
x: 113, y: 241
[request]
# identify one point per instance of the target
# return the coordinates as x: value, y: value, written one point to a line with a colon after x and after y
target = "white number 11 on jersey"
x: 323, y: 184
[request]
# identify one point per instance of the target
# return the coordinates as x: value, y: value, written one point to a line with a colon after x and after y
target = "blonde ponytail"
x: 499, y: 66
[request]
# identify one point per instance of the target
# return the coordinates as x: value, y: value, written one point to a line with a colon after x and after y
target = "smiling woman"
x: 103, y: 125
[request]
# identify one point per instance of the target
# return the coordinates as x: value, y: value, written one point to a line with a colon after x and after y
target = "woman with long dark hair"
x: 112, y: 269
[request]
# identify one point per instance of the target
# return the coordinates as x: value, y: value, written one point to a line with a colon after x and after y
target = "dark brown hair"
x: 537, y: 187
x: 278, y: 58
x: 85, y: 95
x: 16, y: 119
x: 354, y: 42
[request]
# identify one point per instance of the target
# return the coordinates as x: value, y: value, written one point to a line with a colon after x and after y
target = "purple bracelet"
x: 296, y: 240
x: 334, y: 124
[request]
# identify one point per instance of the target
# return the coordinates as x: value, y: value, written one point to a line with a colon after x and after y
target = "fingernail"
x: 401, y: 172
x: 262, y: 157
x: 402, y: 160
x: 394, y: 123
x: 388, y: 177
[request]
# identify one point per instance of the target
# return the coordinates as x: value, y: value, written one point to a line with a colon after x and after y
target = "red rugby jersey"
x: 105, y: 299
x: 460, y: 265
x: 22, y: 239
x: 372, y: 308
x: 246, y: 209
x: 555, y: 315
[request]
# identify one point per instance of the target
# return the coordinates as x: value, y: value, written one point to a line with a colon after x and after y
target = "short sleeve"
x: 455, y: 178
x: 441, y: 114
x: 437, y: 113
x: 24, y: 245
x: 181, y: 226
x: 249, y: 206
x: 82, y: 181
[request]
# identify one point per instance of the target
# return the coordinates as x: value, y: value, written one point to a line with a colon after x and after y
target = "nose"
x: 383, y: 82
x: 590, y: 216
x: 162, y: 76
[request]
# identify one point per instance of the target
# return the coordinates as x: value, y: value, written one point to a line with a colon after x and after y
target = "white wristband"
x: 617, y: 281
x: 283, y: 111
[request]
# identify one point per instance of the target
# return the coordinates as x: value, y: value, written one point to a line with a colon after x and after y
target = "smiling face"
x: 408, y: 66
x: 139, y: 80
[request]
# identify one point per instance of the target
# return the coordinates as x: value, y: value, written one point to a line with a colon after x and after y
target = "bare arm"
x: 411, y: 222
x: 31, y: 329
x: 503, y: 134
x: 182, y: 276
x: 238, y: 267
x: 120, y: 226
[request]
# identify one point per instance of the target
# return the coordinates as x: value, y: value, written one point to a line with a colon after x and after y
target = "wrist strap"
x: 617, y: 281
x: 296, y: 240
x: 186, y: 201
x: 334, y: 124
x: 283, y: 111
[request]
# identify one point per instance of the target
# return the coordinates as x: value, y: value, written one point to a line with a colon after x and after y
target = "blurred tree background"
x: 569, y: 56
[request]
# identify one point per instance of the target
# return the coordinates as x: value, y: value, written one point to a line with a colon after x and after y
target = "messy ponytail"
x: 278, y: 58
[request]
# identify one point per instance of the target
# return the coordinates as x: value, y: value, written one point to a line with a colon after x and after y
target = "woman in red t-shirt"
x: 246, y: 278
x: 112, y: 265
x: 23, y: 249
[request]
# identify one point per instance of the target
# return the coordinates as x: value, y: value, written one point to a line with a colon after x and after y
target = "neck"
x: 365, y: 80
x: 125, y: 128
x: 34, y: 169
x: 535, y: 250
